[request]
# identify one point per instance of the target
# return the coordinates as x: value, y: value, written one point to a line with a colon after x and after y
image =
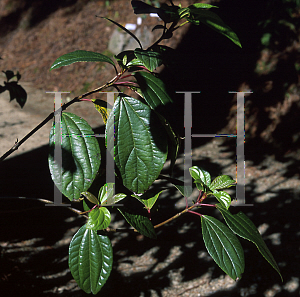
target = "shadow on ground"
x: 37, y: 239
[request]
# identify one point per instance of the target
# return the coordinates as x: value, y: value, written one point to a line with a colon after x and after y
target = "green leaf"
x: 106, y: 192
x: 201, y: 186
x: 201, y: 6
x: 126, y: 59
x: 140, y: 147
x: 140, y: 223
x: 89, y: 196
x: 127, y: 31
x: 198, y: 173
x: 153, y: 89
x: 266, y: 39
x: 222, y: 182
x: 243, y: 227
x: 223, y: 246
x: 90, y: 259
x: 107, y: 197
x: 149, y: 203
x: 81, y: 156
x: 213, y: 21
x: 99, y: 219
x: 80, y: 56
x: 151, y: 60
x: 185, y: 191
x: 223, y: 197
x: 85, y: 206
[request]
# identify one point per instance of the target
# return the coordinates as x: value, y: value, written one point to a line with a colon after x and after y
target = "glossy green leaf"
x: 222, y: 182
x: 151, y: 60
x: 213, y: 21
x: 107, y: 197
x: 203, y: 175
x: 99, y: 219
x: 81, y: 156
x: 149, y: 203
x: 243, y: 227
x: 153, y: 89
x: 140, y: 223
x: 106, y: 192
x: 223, y: 246
x: 223, y: 197
x: 89, y: 196
x: 90, y: 259
x: 140, y: 143
x: 80, y: 56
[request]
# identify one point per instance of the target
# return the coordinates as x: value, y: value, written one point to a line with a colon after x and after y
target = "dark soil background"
x: 34, y: 239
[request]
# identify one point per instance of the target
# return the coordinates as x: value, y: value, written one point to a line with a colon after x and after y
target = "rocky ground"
x: 34, y: 239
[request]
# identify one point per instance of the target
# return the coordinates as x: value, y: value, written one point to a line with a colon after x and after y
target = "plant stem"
x: 51, y: 115
x: 176, y: 216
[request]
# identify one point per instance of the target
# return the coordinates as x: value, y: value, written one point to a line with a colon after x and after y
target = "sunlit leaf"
x: 149, y: 203
x: 99, y: 219
x: 223, y: 197
x: 222, y: 182
x: 140, y: 143
x: 80, y: 56
x: 203, y: 175
x: 90, y: 259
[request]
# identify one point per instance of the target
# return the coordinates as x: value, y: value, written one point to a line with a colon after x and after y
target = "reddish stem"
x: 211, y: 205
x: 125, y: 76
x: 123, y: 82
x: 90, y: 100
x: 196, y: 213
